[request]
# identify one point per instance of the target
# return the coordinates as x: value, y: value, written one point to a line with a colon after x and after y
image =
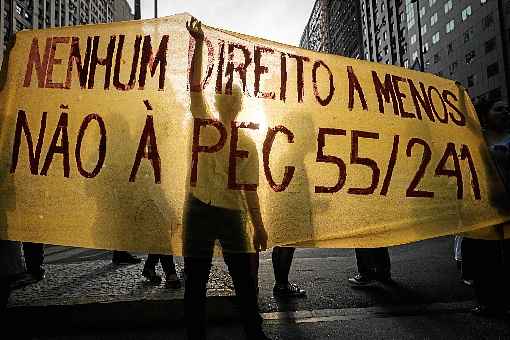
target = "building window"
x: 384, y: 35
x: 470, y: 56
x: 466, y: 13
x: 448, y: 6
x: 19, y: 9
x: 450, y: 26
x: 483, y: 2
x: 431, y: 3
x: 423, y: 29
x: 492, y: 70
x: 413, y: 39
x: 437, y: 58
x: 453, y: 67
x: 425, y: 48
x: 410, y: 23
x: 468, y: 35
x: 433, y: 19
x: 422, y: 12
x: 435, y: 38
x: 471, y: 80
x: 488, y: 21
x: 490, y: 45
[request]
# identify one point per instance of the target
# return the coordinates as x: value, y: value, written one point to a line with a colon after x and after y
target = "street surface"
x: 426, y: 299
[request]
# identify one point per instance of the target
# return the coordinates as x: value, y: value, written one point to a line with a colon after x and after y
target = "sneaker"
x: 150, y: 274
x: 361, y: 280
x: 288, y: 290
x: 123, y: 257
x: 172, y: 281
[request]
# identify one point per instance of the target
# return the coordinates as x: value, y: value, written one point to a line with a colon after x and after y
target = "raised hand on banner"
x: 194, y: 27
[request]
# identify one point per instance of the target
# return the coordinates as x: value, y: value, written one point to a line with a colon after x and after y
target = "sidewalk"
x: 95, y: 294
x: 89, y: 293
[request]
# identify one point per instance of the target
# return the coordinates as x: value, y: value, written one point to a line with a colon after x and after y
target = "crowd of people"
x: 218, y: 215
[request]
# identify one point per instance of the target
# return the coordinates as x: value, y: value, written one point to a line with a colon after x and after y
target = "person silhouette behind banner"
x: 214, y: 212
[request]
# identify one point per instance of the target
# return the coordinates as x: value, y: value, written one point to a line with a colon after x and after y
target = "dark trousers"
x: 34, y: 256
x: 4, y: 293
x: 373, y: 261
x: 197, y: 274
x: 203, y: 225
x: 488, y: 263
x: 282, y: 260
x: 167, y: 262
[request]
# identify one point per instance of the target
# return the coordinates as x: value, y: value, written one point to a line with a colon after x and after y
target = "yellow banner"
x: 107, y: 141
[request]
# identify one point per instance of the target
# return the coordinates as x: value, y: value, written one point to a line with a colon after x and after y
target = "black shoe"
x: 123, y: 257
x: 172, y: 281
x: 150, y: 274
x: 361, y: 280
x: 288, y: 290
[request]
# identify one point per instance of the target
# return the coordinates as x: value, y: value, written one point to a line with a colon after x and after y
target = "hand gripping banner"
x: 159, y: 137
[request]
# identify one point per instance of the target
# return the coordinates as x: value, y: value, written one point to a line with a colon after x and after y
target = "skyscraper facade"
x: 27, y: 14
x: 464, y: 40
x: 334, y: 27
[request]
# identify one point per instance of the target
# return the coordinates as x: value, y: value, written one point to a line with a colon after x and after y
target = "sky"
x: 278, y: 20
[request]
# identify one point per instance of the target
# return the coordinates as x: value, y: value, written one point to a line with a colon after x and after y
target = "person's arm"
x: 197, y: 106
x: 260, y: 234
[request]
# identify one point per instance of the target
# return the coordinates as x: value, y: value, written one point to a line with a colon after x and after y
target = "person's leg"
x: 282, y: 261
x: 239, y: 268
x: 200, y: 229
x: 254, y: 268
x: 366, y: 271
x: 4, y: 293
x: 149, y: 268
x: 197, y: 271
x: 489, y: 277
x: 382, y: 263
x: 34, y: 257
x: 469, y: 259
x: 171, y: 279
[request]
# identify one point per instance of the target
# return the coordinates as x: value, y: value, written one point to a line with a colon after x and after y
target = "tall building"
x: 334, y: 27
x: 122, y: 11
x: 384, y: 31
x: 464, y: 40
x: 27, y: 14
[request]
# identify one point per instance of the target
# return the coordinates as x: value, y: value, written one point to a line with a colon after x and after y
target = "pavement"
x: 85, y: 295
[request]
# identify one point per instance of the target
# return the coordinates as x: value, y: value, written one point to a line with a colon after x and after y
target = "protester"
x: 213, y: 212
x: 11, y: 268
x: 34, y: 257
x: 373, y: 265
x: 167, y: 262
x: 123, y: 257
x: 489, y: 259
